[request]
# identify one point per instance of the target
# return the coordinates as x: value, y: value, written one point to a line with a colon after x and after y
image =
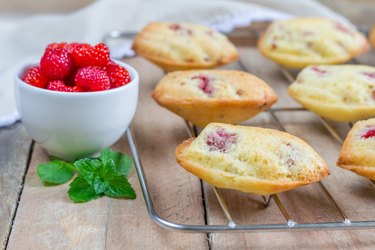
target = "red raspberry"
x: 71, y: 46
x: 68, y: 46
x: 318, y: 70
x: 70, y: 79
x: 174, y: 26
x: 118, y: 75
x: 35, y: 78
x: 369, y: 74
x: 204, y: 84
x: 221, y: 140
x: 100, y: 55
x: 369, y: 133
x: 343, y: 28
x: 53, y: 46
x: 59, y: 85
x: 84, y: 55
x: 92, y: 79
x: 81, y: 55
x: 56, y: 63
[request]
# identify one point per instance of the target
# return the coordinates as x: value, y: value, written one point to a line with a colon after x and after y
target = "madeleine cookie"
x: 174, y: 46
x: 340, y: 93
x: 304, y: 41
x: 204, y: 96
x: 358, y: 151
x: 250, y: 159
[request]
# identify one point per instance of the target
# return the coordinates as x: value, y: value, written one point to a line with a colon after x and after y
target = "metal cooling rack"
x: 232, y: 226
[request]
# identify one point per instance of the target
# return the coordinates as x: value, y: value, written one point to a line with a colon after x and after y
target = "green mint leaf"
x: 119, y: 187
x: 99, y: 184
x: 89, y: 168
x: 81, y: 191
x: 121, y: 162
x: 55, y: 172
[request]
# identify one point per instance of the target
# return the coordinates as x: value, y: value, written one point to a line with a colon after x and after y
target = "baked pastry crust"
x: 341, y: 93
x: 304, y: 41
x: 204, y: 96
x: 358, y: 152
x: 250, y: 159
x: 174, y: 46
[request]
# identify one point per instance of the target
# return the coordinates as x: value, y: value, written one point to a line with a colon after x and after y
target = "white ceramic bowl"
x: 74, y: 125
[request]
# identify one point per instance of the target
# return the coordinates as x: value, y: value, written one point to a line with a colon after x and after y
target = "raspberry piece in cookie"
x: 221, y: 140
x: 204, y: 84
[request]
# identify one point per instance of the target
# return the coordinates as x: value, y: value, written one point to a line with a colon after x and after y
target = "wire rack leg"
x: 334, y: 203
x: 224, y: 207
x: 290, y: 221
x: 266, y: 200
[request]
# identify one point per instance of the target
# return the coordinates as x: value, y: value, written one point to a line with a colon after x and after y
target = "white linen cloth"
x: 23, y: 37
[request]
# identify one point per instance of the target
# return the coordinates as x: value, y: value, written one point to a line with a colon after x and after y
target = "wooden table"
x: 33, y: 216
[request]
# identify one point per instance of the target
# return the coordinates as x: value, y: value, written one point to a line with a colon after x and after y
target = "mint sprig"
x: 55, y: 172
x: 105, y: 175
x: 81, y: 191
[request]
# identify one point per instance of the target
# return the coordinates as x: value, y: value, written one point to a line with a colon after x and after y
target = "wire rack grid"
x: 232, y: 226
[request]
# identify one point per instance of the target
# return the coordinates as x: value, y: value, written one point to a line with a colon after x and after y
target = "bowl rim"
x: 30, y: 62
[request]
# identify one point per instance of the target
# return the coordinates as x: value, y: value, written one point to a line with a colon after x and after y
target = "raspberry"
x: 68, y: 46
x: 343, y: 28
x: 92, y: 79
x: 369, y: 74
x: 80, y: 55
x: 70, y: 79
x: 369, y: 133
x: 204, y: 84
x: 318, y: 70
x: 56, y: 63
x: 53, y: 46
x: 174, y: 26
x: 118, y: 75
x: 35, y: 78
x: 100, y: 55
x: 84, y: 55
x: 183, y: 31
x: 220, y: 140
x: 71, y: 46
x: 59, y: 85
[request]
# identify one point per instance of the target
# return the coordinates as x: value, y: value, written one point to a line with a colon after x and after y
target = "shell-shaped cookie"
x: 358, y: 151
x: 304, y: 41
x: 204, y: 96
x: 340, y: 93
x: 250, y: 159
x: 182, y: 46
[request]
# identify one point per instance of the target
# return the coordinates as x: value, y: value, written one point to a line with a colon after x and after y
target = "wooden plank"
x: 14, y: 148
x: 176, y: 193
x: 47, y: 219
x: 304, y: 204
